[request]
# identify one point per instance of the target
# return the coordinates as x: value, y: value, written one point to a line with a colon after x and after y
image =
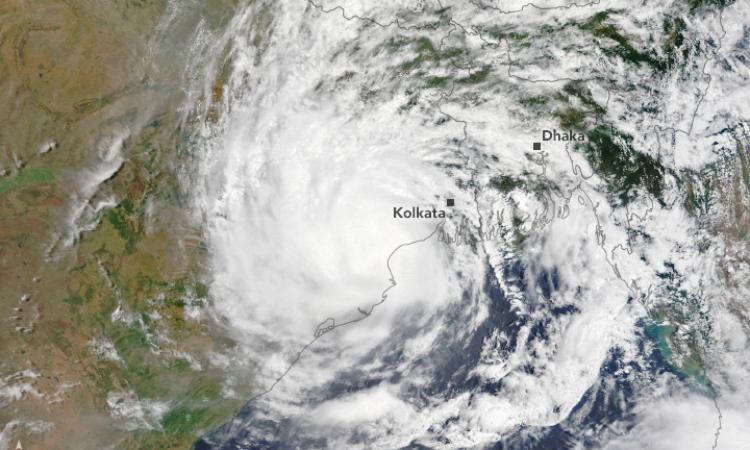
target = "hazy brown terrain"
x: 97, y: 275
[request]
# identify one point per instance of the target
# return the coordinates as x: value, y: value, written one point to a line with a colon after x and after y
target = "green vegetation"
x: 193, y: 411
x: 609, y: 151
x: 538, y: 100
x: 475, y: 77
x: 697, y: 4
x: 505, y: 183
x: 74, y: 302
x: 129, y: 339
x: 29, y: 176
x: 201, y: 290
x: 426, y: 57
x: 425, y: 53
x: 578, y: 103
x: 396, y: 43
x: 675, y: 31
x: 579, y: 90
x: 126, y: 228
x: 570, y: 118
x: 60, y: 341
x: 200, y: 408
x: 424, y: 46
x: 624, y: 49
x: 435, y: 82
x: 425, y: 50
x: 496, y: 33
x: 624, y: 169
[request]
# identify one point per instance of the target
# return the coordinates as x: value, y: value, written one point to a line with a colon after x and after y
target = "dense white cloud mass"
x: 544, y: 325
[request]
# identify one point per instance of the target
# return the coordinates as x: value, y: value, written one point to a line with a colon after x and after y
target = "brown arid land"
x: 105, y: 342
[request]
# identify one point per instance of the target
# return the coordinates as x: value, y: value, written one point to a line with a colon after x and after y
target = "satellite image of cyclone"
x: 360, y: 224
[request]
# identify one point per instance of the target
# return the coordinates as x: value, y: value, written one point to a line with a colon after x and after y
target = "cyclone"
x: 538, y: 327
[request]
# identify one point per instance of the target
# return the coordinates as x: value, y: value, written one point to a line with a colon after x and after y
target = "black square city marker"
x: 537, y: 146
x: 449, y: 202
